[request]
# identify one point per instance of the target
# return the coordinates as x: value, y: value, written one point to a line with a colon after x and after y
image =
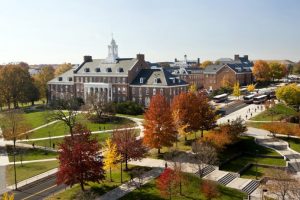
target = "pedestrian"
x: 166, y: 165
x: 251, y: 114
x: 33, y: 144
x: 53, y: 145
x: 228, y: 120
x: 246, y: 117
x: 255, y: 109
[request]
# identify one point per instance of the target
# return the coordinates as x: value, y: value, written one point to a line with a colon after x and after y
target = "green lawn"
x: 98, y: 188
x: 251, y: 172
x: 36, y: 118
x: 28, y: 170
x: 278, y: 112
x: 247, y: 144
x: 46, y: 143
x: 60, y: 128
x: 190, y: 191
x: 294, y: 143
x: 29, y: 154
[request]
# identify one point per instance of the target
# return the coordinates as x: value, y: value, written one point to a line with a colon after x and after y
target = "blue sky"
x: 56, y: 31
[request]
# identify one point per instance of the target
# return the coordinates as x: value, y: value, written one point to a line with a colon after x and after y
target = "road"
x: 234, y: 107
x: 39, y: 189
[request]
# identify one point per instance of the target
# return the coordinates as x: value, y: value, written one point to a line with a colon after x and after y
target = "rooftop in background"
x: 185, y: 62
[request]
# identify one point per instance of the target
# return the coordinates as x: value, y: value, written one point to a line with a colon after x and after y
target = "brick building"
x: 117, y: 79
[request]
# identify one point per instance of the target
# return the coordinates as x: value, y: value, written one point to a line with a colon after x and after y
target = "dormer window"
x: 120, y: 70
x: 141, y: 80
x: 87, y: 69
x: 60, y: 78
x: 70, y: 78
x: 157, y: 80
x: 108, y: 69
x: 98, y: 69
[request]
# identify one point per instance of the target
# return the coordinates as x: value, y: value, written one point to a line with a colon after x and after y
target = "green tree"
x: 289, y: 94
x: 62, y: 68
x: 206, y: 63
x: 236, y: 90
x: 41, y: 79
x: 278, y: 70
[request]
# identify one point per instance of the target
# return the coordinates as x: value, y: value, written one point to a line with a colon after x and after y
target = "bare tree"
x: 14, y: 127
x: 66, y: 111
x: 282, y: 184
x: 203, y: 154
x: 97, y: 105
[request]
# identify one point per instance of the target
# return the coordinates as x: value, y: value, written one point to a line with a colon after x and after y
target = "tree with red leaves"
x: 128, y: 146
x: 79, y: 159
x: 210, y: 189
x: 168, y: 183
x: 159, y: 127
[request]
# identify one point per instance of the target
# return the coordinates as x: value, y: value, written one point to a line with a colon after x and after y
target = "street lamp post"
x: 256, y: 163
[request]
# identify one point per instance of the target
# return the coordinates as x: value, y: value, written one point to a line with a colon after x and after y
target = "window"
x: 98, y: 69
x: 157, y: 80
x: 120, y: 70
x: 60, y: 78
x: 161, y: 91
x: 70, y: 78
x: 141, y: 80
x: 154, y: 91
x: 87, y: 69
x: 108, y: 69
x: 147, y: 91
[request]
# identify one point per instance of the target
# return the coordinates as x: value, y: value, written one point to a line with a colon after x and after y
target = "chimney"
x: 246, y: 57
x: 198, y: 61
x: 175, y: 60
x: 87, y: 59
x: 236, y: 57
x: 140, y: 56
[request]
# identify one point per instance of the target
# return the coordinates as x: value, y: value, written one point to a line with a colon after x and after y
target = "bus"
x: 220, y: 98
x: 249, y: 98
x: 260, y: 99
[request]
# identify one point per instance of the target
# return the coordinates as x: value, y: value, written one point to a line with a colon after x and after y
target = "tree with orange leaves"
x: 159, y: 127
x: 210, y: 189
x: 218, y: 138
x: 261, y: 71
x: 167, y: 183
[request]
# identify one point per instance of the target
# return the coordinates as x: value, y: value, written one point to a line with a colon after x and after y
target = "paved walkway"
x: 130, y: 185
x: 264, y: 138
x: 244, y: 113
x: 3, y: 161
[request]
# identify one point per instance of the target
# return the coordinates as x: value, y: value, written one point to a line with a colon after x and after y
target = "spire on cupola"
x: 112, y: 52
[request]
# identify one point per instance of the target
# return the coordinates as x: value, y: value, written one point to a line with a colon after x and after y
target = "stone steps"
x: 206, y: 170
x: 227, y: 178
x: 250, y: 187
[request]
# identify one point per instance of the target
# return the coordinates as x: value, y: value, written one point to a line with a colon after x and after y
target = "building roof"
x: 102, y: 67
x: 157, y: 77
x: 66, y: 78
x: 212, y: 68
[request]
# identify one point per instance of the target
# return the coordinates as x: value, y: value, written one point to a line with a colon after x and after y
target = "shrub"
x: 129, y: 108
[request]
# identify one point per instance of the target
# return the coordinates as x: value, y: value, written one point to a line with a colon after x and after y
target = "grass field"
x: 98, y: 188
x: 29, y: 154
x: 251, y: 172
x: 294, y: 143
x: 28, y: 170
x: 60, y: 128
x: 191, y: 190
x: 36, y: 118
x: 276, y: 113
x: 46, y: 143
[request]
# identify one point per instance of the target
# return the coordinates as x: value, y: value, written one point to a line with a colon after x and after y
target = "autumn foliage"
x: 111, y: 156
x: 128, y: 146
x: 282, y: 128
x: 159, y: 127
x: 79, y: 159
x: 261, y: 71
x: 219, y: 138
x: 209, y: 189
x: 168, y: 183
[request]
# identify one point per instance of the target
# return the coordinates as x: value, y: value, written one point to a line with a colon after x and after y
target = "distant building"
x: 118, y: 79
x: 185, y: 63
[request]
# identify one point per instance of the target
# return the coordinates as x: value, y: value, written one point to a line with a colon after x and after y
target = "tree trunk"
x: 158, y: 150
x: 195, y: 133
x: 201, y: 133
x: 32, y: 103
x: 82, y: 186
x: 110, y: 174
x: 126, y: 162
x: 185, y: 138
x: 121, y: 173
x: 15, y: 170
